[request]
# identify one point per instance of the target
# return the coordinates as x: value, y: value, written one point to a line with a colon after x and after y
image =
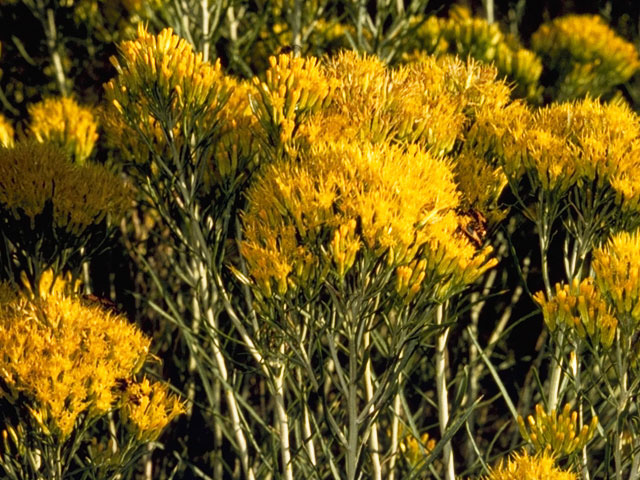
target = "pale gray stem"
x: 443, y: 397
x: 204, y: 6
x: 296, y: 27
x: 490, y: 9
x: 54, y: 50
x: 393, y: 448
x: 283, y: 421
x: 373, y: 437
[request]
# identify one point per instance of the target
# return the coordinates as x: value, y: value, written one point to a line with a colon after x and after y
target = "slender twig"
x: 373, y: 435
x: 443, y: 398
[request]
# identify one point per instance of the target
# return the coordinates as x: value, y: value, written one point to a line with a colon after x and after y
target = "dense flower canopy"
x: 62, y: 122
x: 65, y: 355
x: 342, y: 198
x: 35, y: 176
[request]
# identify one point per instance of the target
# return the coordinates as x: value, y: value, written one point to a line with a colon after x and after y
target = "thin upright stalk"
x: 373, y: 434
x: 283, y: 421
x: 204, y: 6
x: 393, y: 448
x: 296, y: 27
x: 51, y: 34
x: 306, y: 430
x: 352, y: 412
x: 443, y: 397
x: 556, y: 371
x: 545, y: 218
x: 622, y: 402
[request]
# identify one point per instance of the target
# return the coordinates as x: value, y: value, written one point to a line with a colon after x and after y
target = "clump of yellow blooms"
x: 66, y: 357
x: 588, y: 55
x: 521, y: 466
x: 34, y: 176
x: 181, y: 81
x: 576, y: 143
x: 556, y: 434
x: 580, y: 307
x: 6, y: 132
x: 66, y: 124
x: 237, y: 143
x: 294, y: 88
x: 467, y: 36
x: 374, y: 103
x: 414, y: 449
x: 342, y: 198
x: 148, y: 408
x: 617, y: 268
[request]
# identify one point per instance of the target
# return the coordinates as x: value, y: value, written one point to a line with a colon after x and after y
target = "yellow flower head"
x: 235, y: 153
x: 521, y: 466
x: 66, y: 356
x: 184, y: 87
x: 556, y: 434
x: 66, y: 124
x: 617, y: 268
x: 148, y: 408
x: 34, y: 176
x: 585, y: 140
x: 6, y: 133
x: 379, y: 104
x: 51, y: 284
x: 581, y: 307
x: 293, y: 88
x: 414, y: 450
x: 344, y: 198
x: 590, y: 57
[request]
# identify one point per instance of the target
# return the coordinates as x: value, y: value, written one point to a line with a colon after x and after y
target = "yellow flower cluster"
x: 235, y: 153
x: 294, y: 88
x: 581, y: 307
x: 521, y: 466
x: 467, y: 36
x: 66, y: 357
x: 6, y: 133
x: 148, y: 408
x: 567, y: 144
x: 414, y: 449
x: 66, y: 124
x: 556, y: 434
x: 183, y: 86
x: 343, y: 197
x: 374, y: 103
x: 617, y: 268
x: 589, y: 56
x: 34, y: 176
x: 494, y: 127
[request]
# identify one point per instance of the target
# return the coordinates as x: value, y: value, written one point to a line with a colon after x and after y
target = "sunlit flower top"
x: 161, y: 77
x: 415, y: 450
x: 556, y: 434
x: 581, y: 307
x: 6, y: 132
x: 342, y: 199
x: 294, y: 87
x: 148, y: 408
x: 66, y: 124
x: 617, y: 268
x: 66, y: 357
x: 521, y: 466
x: 427, y: 102
x: 34, y: 176
x: 584, y: 141
x: 588, y: 55
x: 466, y: 36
